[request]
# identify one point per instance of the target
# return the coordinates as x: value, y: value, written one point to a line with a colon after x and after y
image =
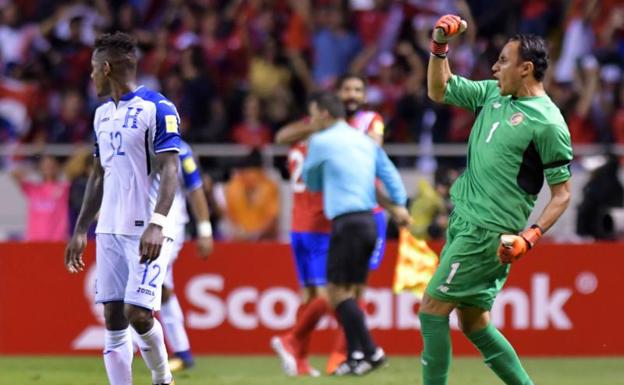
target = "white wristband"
x: 204, y: 229
x: 158, y: 219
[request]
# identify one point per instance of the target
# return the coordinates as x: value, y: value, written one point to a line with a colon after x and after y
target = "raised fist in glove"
x: 447, y: 27
x: 512, y: 247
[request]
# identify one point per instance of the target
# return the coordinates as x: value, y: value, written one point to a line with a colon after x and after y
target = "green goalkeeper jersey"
x: 514, y: 143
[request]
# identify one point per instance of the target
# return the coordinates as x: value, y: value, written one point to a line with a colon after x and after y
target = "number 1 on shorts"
x: 454, y: 267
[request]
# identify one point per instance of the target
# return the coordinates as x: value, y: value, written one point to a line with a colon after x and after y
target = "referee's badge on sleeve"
x: 171, y: 123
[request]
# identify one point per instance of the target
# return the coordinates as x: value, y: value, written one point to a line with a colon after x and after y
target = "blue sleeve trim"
x: 194, y: 187
x: 190, y: 169
x: 167, y: 125
x: 167, y: 149
x: 167, y: 130
x: 191, y: 180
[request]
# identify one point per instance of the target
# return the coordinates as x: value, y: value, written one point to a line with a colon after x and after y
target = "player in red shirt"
x: 310, y: 232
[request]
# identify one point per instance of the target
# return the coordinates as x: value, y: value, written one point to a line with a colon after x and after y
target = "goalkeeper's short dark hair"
x: 533, y: 48
x: 118, y: 47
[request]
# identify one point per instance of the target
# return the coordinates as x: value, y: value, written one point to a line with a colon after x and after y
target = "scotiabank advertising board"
x: 559, y: 300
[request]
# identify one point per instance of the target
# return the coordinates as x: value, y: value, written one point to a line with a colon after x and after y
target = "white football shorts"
x: 173, y: 251
x: 120, y: 276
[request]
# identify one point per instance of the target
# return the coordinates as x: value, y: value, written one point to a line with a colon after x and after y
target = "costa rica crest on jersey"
x: 516, y: 118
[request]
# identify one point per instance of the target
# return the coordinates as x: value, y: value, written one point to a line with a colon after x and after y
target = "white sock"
x: 154, y: 353
x: 173, y: 322
x: 118, y: 356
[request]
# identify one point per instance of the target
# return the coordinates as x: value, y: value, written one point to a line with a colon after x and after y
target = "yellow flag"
x: 415, y: 264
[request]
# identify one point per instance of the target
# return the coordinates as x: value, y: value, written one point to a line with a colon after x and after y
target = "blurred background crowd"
x: 240, y: 69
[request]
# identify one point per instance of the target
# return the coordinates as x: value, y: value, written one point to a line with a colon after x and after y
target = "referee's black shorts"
x: 351, y: 245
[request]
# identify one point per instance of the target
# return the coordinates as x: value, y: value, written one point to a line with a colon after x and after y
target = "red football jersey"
x: 307, y: 209
x: 367, y: 122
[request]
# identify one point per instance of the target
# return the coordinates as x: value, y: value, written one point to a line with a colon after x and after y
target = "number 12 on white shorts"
x: 121, y: 277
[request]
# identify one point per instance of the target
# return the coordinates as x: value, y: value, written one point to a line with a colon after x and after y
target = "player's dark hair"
x: 330, y: 102
x: 533, y: 48
x: 348, y: 76
x: 119, y: 48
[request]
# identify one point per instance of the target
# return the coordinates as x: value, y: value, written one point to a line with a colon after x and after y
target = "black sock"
x: 354, y: 325
x: 350, y: 334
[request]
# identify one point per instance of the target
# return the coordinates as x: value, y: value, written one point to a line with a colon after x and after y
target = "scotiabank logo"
x: 544, y: 308
x: 539, y: 306
x: 206, y: 293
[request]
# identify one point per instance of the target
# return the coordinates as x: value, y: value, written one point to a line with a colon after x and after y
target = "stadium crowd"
x: 240, y: 69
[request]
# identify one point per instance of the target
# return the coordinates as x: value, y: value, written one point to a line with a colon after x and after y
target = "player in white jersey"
x: 137, y: 141
x: 171, y: 313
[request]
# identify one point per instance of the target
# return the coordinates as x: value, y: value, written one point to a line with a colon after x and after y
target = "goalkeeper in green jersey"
x: 518, y: 138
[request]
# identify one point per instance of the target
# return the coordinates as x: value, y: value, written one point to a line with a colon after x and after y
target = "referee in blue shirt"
x: 343, y: 164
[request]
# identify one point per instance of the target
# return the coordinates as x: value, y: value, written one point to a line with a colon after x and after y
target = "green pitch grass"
x: 265, y: 370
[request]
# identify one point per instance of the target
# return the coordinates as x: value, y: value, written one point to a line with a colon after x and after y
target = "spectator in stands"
x: 252, y: 201
x: 538, y: 16
x: 266, y: 73
x: 18, y: 103
x: 70, y: 124
x: 432, y: 205
x: 407, y: 123
x: 602, y: 192
x: 335, y: 46
x: 208, y: 54
x: 70, y: 56
x: 252, y: 131
x: 578, y: 40
x: 269, y: 79
x: 17, y: 37
x: 47, y: 197
x: 198, y: 96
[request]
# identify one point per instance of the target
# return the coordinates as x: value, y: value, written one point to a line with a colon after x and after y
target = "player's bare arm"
x: 559, y: 201
x: 439, y: 71
x: 199, y: 209
x: 90, y: 206
x: 294, y: 132
x: 515, y: 246
x: 152, y: 238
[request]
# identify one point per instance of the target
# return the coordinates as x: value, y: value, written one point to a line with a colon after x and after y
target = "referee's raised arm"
x: 438, y: 71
